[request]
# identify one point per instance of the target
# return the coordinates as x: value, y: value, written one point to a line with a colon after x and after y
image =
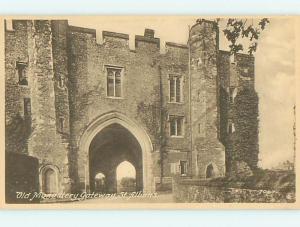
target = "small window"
x: 201, y: 129
x: 232, y: 59
x: 21, y: 68
x: 61, y: 82
x: 231, y: 128
x: 27, y: 107
x: 176, y: 125
x: 61, y: 124
x: 175, y: 87
x: 183, y: 168
x: 114, y: 82
x: 232, y: 95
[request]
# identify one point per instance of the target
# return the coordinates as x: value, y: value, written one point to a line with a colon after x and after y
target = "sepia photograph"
x: 155, y: 110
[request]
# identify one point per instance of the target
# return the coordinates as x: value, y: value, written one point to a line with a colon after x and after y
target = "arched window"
x: 210, y: 172
x: 126, y: 177
x: 49, y: 181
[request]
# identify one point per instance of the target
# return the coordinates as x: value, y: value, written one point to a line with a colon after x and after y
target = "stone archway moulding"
x: 139, y: 133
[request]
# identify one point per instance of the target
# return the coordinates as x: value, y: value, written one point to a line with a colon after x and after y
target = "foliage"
x: 149, y: 113
x: 283, y: 181
x: 241, y: 28
x: 17, y: 133
x: 127, y: 182
x: 246, y: 120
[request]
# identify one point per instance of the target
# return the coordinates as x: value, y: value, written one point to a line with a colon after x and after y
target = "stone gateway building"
x: 81, y: 108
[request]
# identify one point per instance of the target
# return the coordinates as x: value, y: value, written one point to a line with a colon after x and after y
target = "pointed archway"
x: 109, y: 140
x: 112, y: 146
x: 126, y: 177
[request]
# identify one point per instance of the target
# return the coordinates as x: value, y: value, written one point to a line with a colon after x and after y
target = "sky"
x: 125, y: 169
x: 274, y: 68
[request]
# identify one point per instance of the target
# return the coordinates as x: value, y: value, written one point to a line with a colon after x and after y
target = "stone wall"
x: 16, y: 50
x: 60, y: 69
x: 36, y: 134
x: 196, y: 191
x: 146, y: 71
x: 175, y: 61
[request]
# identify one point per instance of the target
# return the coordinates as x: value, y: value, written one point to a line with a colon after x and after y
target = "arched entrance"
x: 107, y: 142
x: 126, y: 177
x: 49, y: 179
x: 111, y: 146
x: 211, y: 171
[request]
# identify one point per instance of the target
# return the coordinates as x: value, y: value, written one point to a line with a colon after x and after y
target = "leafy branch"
x: 241, y: 28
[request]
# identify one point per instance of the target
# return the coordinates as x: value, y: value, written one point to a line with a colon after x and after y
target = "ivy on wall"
x: 246, y: 123
x: 17, y: 133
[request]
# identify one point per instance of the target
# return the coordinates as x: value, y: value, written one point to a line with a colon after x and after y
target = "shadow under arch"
x: 95, y: 127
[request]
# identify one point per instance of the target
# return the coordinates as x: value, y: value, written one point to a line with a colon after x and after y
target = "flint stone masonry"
x: 67, y: 86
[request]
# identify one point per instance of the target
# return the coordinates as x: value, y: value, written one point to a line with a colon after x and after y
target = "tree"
x: 241, y: 29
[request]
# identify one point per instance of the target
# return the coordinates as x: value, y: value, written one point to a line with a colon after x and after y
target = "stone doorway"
x: 110, y: 147
x: 106, y: 142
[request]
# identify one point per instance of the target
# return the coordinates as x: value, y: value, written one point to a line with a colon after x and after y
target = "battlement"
x: 145, y: 39
x: 12, y: 26
x: 82, y: 30
x: 148, y: 39
x: 177, y: 50
x: 114, y: 35
x: 176, y: 45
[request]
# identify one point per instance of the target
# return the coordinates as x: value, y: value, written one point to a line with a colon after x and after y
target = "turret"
x: 208, y: 153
